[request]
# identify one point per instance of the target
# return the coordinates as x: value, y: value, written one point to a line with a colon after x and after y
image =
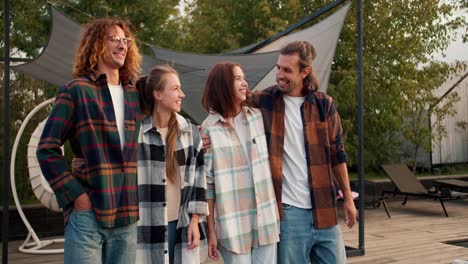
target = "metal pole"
x: 360, y: 125
x: 6, y: 128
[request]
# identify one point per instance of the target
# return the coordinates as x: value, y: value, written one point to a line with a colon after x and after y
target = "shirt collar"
x: 309, y: 97
x: 102, y: 79
x: 216, y: 117
x: 184, y: 125
x: 147, y: 124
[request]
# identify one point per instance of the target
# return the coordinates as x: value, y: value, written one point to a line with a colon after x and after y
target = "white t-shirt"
x: 240, y: 128
x: 296, y: 190
x: 117, y: 94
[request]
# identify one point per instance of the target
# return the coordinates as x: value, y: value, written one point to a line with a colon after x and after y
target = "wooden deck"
x: 415, y: 234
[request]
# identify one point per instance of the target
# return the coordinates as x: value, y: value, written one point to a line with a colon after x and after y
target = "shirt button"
x: 163, y: 180
x: 165, y: 251
x: 164, y: 204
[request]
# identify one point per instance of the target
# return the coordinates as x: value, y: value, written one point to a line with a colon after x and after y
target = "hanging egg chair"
x: 39, y: 185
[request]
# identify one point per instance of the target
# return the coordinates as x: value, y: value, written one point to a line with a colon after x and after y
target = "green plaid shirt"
x: 83, y: 114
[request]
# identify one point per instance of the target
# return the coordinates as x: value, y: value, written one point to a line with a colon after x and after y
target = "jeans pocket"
x: 83, y: 219
x: 83, y: 240
x: 286, y: 206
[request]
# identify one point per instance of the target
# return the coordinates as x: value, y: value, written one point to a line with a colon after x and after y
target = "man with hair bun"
x: 305, y: 143
x: 98, y: 112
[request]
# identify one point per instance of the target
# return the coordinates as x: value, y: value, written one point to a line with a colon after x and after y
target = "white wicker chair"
x: 40, y: 186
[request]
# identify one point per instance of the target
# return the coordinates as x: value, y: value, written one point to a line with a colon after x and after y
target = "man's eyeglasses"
x: 116, y: 40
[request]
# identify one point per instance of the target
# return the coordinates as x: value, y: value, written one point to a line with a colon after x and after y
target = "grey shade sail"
x: 255, y: 67
x: 54, y: 64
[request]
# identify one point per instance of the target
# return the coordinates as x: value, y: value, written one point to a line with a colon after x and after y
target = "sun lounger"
x: 407, y: 184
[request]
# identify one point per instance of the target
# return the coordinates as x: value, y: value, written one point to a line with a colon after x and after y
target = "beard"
x: 289, y: 87
x: 285, y: 87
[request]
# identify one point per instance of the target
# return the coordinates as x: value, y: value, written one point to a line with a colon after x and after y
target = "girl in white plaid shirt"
x: 243, y: 222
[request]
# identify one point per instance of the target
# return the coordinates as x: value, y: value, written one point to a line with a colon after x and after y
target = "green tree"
x: 422, y: 99
x: 215, y: 26
x: 29, y: 28
x: 399, y: 37
x: 152, y: 20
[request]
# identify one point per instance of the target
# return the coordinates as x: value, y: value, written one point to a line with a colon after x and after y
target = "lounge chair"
x: 407, y: 184
x: 452, y: 184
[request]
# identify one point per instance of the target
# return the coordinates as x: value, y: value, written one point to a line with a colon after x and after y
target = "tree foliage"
x: 29, y: 27
x: 399, y: 38
x: 215, y: 26
x: 151, y: 19
x: 422, y: 99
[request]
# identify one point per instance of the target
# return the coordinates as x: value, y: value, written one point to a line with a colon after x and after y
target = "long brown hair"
x: 92, y: 48
x: 156, y: 81
x: 307, y: 54
x: 219, y: 90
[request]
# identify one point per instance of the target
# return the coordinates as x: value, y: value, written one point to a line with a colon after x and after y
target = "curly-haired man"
x: 98, y: 112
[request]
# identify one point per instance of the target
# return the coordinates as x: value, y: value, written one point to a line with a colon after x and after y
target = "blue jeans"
x: 87, y: 242
x: 171, y: 237
x: 300, y: 242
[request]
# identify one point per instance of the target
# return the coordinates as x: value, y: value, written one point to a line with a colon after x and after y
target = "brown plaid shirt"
x: 323, y: 146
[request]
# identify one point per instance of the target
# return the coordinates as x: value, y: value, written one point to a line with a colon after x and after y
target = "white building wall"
x: 454, y: 147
